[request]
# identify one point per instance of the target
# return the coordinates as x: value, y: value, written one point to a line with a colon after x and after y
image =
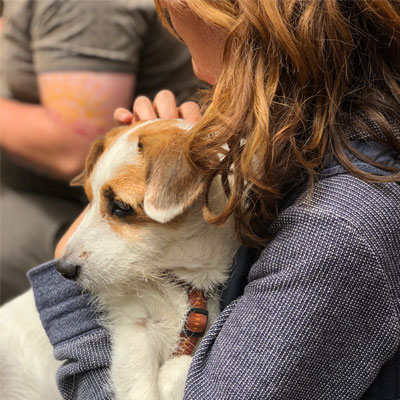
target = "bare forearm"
x: 34, y: 134
x: 76, y: 108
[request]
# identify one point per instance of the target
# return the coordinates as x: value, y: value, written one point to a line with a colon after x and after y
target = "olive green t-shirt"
x: 92, y: 35
x: 87, y: 35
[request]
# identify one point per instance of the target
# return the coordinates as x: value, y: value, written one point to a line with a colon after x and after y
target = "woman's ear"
x: 172, y: 184
x: 95, y: 152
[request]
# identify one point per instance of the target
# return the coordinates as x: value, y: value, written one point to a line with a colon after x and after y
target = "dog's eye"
x: 121, y: 209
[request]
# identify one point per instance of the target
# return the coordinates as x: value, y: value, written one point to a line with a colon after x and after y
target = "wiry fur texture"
x: 135, y: 265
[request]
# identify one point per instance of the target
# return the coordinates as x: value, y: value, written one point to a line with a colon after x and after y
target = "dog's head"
x: 144, y: 216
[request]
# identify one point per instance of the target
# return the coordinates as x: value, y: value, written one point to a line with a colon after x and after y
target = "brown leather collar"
x: 195, y: 323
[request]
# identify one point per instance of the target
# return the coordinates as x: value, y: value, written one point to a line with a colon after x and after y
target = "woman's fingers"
x: 165, y: 105
x: 143, y: 109
x: 122, y: 116
x: 190, y: 112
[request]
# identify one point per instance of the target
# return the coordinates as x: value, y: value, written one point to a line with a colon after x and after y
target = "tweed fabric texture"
x: 85, y: 374
x: 64, y: 310
x: 320, y: 314
x: 71, y: 325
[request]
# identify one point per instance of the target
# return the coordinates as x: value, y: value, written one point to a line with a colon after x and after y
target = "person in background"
x: 65, y: 67
x: 306, y: 97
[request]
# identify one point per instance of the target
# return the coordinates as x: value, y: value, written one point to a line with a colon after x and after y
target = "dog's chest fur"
x: 145, y: 329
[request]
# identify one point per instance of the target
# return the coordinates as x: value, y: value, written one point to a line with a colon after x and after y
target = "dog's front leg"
x: 172, y: 378
x: 135, y: 364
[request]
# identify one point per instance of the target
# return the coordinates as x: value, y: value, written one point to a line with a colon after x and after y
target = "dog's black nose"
x: 67, y: 269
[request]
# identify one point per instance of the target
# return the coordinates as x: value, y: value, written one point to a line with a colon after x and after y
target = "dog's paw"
x: 172, y: 378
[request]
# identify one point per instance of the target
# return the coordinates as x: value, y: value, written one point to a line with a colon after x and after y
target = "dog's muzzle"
x: 67, y: 269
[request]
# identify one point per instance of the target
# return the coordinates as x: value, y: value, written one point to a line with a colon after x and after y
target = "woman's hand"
x: 164, y: 107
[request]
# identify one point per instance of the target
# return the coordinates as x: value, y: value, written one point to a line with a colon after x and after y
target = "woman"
x: 306, y: 96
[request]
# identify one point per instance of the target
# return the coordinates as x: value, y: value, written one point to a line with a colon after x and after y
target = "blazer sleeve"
x: 316, y: 321
x: 71, y: 324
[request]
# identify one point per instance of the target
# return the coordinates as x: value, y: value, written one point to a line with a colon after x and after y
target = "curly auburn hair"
x: 296, y: 75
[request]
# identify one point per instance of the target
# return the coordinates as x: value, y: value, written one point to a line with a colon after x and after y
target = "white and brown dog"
x: 146, y: 254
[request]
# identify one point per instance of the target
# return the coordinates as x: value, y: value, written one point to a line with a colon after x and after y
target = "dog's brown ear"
x: 95, y: 152
x: 172, y: 184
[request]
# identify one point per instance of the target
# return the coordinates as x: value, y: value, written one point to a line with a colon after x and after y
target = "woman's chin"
x: 204, y: 75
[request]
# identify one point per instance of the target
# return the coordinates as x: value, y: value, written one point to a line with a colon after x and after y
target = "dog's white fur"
x: 27, y: 365
x: 133, y: 272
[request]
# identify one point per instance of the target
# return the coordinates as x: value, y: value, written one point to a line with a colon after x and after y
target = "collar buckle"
x: 196, y: 322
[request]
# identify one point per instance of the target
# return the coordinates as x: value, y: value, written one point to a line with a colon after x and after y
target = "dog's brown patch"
x: 127, y: 186
x: 129, y: 183
x: 171, y: 182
